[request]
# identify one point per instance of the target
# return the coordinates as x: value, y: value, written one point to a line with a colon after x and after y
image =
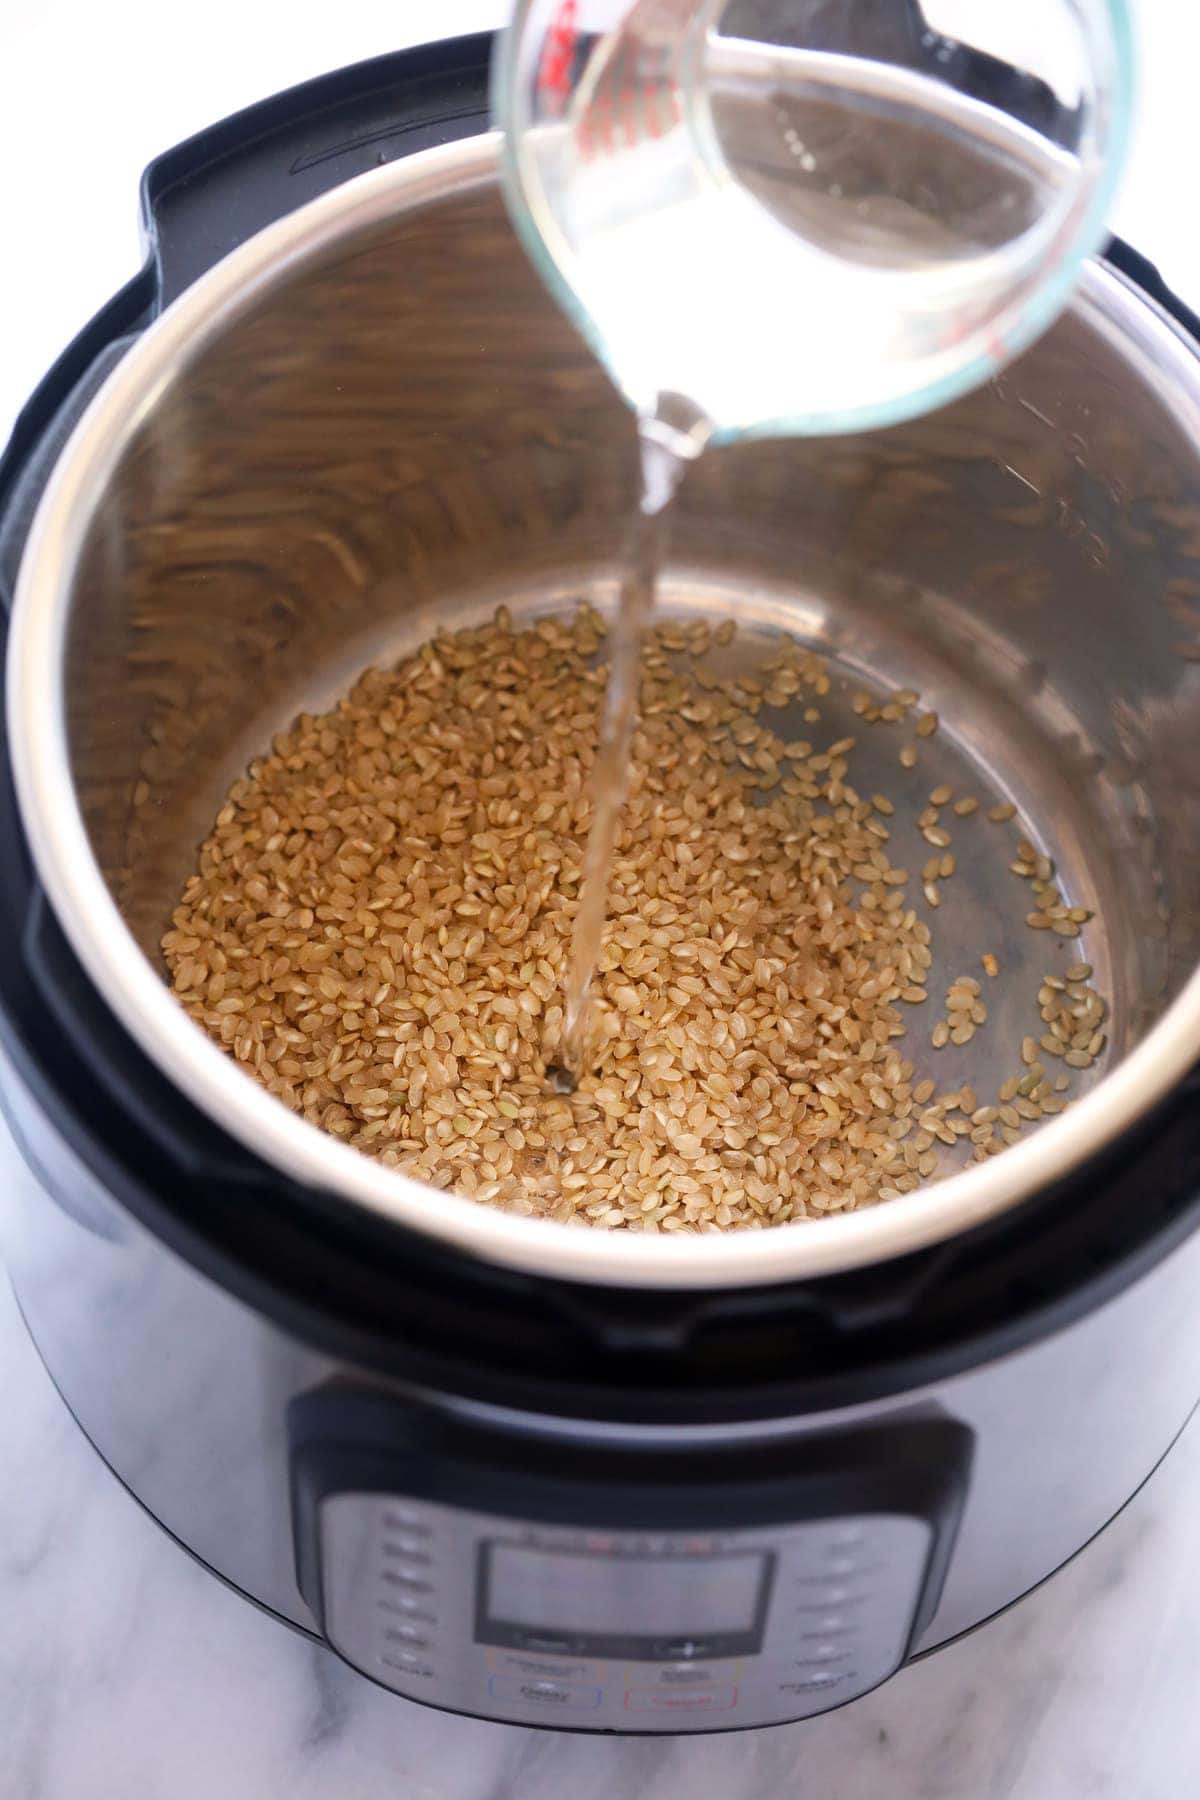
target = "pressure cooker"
x: 524, y: 1471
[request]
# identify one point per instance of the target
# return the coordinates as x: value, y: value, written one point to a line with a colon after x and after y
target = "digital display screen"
x: 607, y: 1596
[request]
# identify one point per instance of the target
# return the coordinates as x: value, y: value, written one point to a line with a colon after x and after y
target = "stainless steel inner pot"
x: 371, y: 421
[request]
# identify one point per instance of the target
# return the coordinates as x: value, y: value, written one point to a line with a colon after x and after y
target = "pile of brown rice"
x: 379, y: 925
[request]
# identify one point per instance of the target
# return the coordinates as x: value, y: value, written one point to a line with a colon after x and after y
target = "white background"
x: 89, y: 92
x: 127, y: 1672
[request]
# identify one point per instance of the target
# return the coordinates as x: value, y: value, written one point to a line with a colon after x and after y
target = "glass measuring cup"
x: 811, y: 216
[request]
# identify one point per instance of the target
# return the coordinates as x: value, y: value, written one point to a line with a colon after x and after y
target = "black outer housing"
x: 373, y: 1294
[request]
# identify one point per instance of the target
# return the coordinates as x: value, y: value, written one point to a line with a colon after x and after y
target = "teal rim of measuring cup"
x: 1035, y: 317
x: 534, y: 240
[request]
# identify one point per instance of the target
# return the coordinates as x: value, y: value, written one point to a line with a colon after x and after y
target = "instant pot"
x: 523, y: 1471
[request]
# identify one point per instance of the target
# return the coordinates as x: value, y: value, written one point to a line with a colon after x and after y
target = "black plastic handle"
x: 1145, y: 275
x: 209, y: 194
x: 215, y: 190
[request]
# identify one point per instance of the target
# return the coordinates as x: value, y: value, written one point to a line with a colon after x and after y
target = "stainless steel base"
x: 1066, y: 1429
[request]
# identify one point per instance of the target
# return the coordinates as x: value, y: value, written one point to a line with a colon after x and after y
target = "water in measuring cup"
x: 800, y: 239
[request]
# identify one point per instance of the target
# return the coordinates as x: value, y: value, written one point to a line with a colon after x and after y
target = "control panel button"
x: 408, y: 1548
x: 404, y: 1518
x: 411, y: 1583
x: 823, y: 1595
x: 548, y: 1643
x: 841, y: 1565
x: 564, y: 1669
x: 660, y: 1700
x: 409, y: 1662
x: 569, y: 1696
x: 681, y: 1649
x: 690, y: 1674
x: 817, y: 1681
x: 407, y: 1634
x: 409, y: 1606
x: 411, y: 1554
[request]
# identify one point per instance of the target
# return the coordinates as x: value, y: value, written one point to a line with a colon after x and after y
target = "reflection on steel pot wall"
x: 371, y: 422
x: 302, y: 497
x: 180, y: 1388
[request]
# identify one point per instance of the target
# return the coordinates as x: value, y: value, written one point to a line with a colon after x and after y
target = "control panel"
x: 618, y: 1630
x: 619, y: 1583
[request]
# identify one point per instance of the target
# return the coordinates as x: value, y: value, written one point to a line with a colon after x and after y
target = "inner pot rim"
x: 137, y: 995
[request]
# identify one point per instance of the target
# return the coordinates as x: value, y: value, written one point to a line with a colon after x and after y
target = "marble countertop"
x: 127, y: 1672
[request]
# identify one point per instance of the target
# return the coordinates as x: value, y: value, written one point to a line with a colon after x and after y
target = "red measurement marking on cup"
x: 663, y: 111
x: 558, y: 52
x: 600, y: 115
x: 625, y: 103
